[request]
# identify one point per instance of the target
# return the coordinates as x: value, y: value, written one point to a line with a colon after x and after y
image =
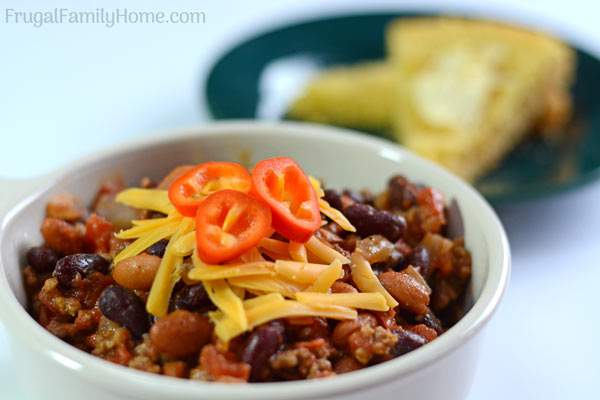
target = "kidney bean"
x: 333, y: 197
x: 419, y: 259
x: 370, y: 221
x: 364, y: 196
x: 158, y: 248
x: 42, y: 258
x: 124, y: 307
x: 409, y: 291
x: 260, y: 346
x: 136, y: 272
x: 407, y: 341
x: 181, y: 333
x: 191, y: 298
x: 401, y: 193
x: 70, y: 267
x: 430, y: 320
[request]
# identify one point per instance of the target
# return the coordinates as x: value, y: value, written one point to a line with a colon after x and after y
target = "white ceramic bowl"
x: 51, y: 369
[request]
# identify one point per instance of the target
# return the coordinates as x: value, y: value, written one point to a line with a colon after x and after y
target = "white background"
x: 67, y: 90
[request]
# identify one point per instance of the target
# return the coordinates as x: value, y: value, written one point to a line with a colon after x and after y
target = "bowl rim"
x: 121, y: 379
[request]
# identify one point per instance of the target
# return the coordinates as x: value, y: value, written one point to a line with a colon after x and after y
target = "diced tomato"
x: 98, y: 233
x: 281, y: 184
x: 229, y: 223
x: 188, y: 191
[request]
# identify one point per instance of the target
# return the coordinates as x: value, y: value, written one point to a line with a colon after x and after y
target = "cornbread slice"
x: 358, y: 97
x: 468, y: 91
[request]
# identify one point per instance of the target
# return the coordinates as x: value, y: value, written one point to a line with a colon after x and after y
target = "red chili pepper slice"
x: 188, y: 191
x: 282, y: 184
x: 228, y: 224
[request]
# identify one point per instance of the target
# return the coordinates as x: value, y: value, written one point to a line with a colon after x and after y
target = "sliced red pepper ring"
x: 188, y: 191
x: 228, y: 224
x: 282, y: 184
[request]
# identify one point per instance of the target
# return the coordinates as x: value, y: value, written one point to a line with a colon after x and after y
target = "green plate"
x: 258, y: 78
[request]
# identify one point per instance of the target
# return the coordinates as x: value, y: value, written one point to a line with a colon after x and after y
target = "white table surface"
x: 67, y: 90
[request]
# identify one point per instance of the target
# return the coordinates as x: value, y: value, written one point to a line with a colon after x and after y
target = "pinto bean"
x: 137, y: 272
x: 181, y: 333
x: 342, y: 287
x: 409, y: 291
x: 65, y: 206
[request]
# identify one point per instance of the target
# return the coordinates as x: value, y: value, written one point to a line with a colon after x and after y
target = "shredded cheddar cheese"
x: 185, y: 245
x: 324, y: 252
x: 365, y: 279
x: 301, y: 272
x: 213, y: 272
x: 274, y: 246
x: 268, y: 284
x: 168, y: 273
x: 297, y: 252
x: 226, y: 328
x: 367, y: 301
x: 334, y: 214
x: 326, y: 278
x: 221, y: 294
x: 144, y: 226
x: 146, y: 199
x: 147, y: 240
x: 297, y: 283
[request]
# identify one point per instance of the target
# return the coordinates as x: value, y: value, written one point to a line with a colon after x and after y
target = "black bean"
x: 158, y: 248
x: 42, y: 258
x: 401, y: 193
x: 124, y: 307
x: 70, y: 267
x: 260, y: 346
x: 419, y: 259
x: 370, y: 221
x: 333, y: 198
x: 407, y: 341
x: 191, y: 298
